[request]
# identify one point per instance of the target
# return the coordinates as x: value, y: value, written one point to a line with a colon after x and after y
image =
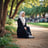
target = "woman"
x: 23, y: 31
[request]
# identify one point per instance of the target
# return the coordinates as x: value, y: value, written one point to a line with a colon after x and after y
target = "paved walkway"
x: 40, y: 40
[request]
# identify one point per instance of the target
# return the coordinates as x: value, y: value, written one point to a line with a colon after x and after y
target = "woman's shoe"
x: 30, y: 36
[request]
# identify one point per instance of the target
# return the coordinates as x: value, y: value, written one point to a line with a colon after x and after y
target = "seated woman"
x: 23, y: 31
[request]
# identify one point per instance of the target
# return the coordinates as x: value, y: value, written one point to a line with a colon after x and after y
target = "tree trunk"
x: 5, y: 12
x: 1, y: 5
x: 3, y: 15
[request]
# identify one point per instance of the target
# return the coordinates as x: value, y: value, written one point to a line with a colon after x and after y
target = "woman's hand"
x: 25, y: 28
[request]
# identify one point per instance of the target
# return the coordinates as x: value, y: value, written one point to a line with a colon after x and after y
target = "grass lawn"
x: 40, y: 24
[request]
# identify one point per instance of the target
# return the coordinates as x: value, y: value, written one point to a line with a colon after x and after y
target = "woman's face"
x: 23, y: 14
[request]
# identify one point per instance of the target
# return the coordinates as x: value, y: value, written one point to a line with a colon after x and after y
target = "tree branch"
x: 16, y: 8
x: 11, y: 8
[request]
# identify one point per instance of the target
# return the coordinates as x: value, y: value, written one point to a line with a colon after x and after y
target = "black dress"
x: 21, y: 32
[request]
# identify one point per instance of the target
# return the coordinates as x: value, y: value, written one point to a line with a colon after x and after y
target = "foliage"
x: 8, y: 34
x: 11, y: 29
x: 27, y: 10
x: 44, y: 3
x: 9, y: 21
x: 34, y: 10
x: 6, y: 41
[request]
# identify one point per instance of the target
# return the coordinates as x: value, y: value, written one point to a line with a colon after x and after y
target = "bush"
x: 8, y: 34
x: 9, y: 21
x: 11, y: 29
x: 6, y: 41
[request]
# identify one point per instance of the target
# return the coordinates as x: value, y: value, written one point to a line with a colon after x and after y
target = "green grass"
x: 40, y: 24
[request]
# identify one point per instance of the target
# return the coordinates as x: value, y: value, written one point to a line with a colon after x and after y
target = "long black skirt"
x: 23, y: 33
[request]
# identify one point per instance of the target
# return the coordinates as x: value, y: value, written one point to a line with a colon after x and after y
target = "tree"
x: 3, y: 13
